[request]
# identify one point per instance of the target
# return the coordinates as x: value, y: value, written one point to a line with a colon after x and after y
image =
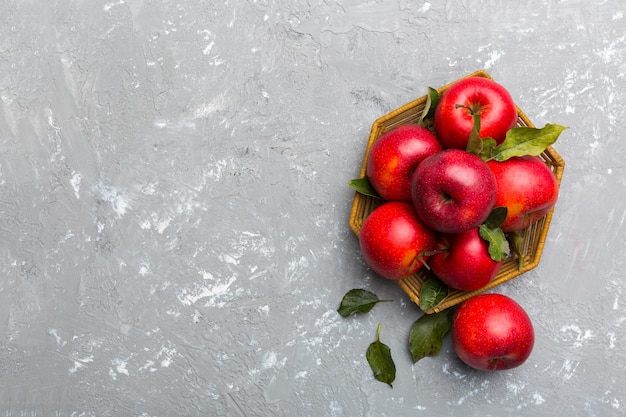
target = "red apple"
x: 526, y: 187
x: 393, y: 158
x: 394, y: 242
x: 492, y: 332
x: 453, y: 191
x: 453, y: 118
x: 462, y: 261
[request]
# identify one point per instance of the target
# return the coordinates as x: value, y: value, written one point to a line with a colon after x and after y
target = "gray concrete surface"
x: 174, y: 232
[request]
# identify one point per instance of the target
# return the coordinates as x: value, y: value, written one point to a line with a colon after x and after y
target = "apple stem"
x: 434, y: 252
x: 473, y: 109
x: 495, y: 364
x: 421, y: 257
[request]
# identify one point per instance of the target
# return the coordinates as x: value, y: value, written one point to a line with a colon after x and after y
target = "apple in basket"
x: 454, y: 116
x: 394, y: 241
x: 453, y: 191
x: 393, y: 158
x: 492, y: 332
x: 526, y: 187
x: 462, y: 261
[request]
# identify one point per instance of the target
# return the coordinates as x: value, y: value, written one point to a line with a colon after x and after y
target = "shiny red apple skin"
x: 526, y: 187
x: 394, y: 241
x: 453, y: 191
x: 453, y: 124
x: 394, y: 156
x: 465, y: 263
x: 492, y: 332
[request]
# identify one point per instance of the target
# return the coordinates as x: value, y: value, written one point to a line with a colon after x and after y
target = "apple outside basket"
x: 534, y: 236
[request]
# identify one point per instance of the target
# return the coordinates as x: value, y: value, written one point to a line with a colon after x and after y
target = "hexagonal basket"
x: 534, y: 236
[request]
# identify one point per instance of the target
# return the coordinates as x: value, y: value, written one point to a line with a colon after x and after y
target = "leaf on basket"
x: 427, y: 333
x: 489, y: 145
x: 516, y: 240
x: 522, y: 141
x: 358, y: 301
x: 379, y: 358
x: 496, y: 217
x: 432, y: 99
x: 475, y: 143
x: 482, y: 147
x: 433, y: 291
x: 363, y: 186
x: 498, y: 244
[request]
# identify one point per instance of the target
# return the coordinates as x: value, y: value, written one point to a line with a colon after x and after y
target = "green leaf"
x: 489, y: 145
x: 363, y: 186
x: 432, y: 99
x: 358, y: 301
x: 516, y: 241
x: 427, y: 333
x: 379, y: 357
x: 522, y: 141
x: 433, y: 291
x: 496, y: 217
x: 498, y: 244
x: 475, y: 143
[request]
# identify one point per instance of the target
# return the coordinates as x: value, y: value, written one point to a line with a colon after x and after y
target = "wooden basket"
x: 534, y: 236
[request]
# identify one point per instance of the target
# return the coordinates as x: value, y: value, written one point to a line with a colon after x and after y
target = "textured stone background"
x: 173, y: 205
